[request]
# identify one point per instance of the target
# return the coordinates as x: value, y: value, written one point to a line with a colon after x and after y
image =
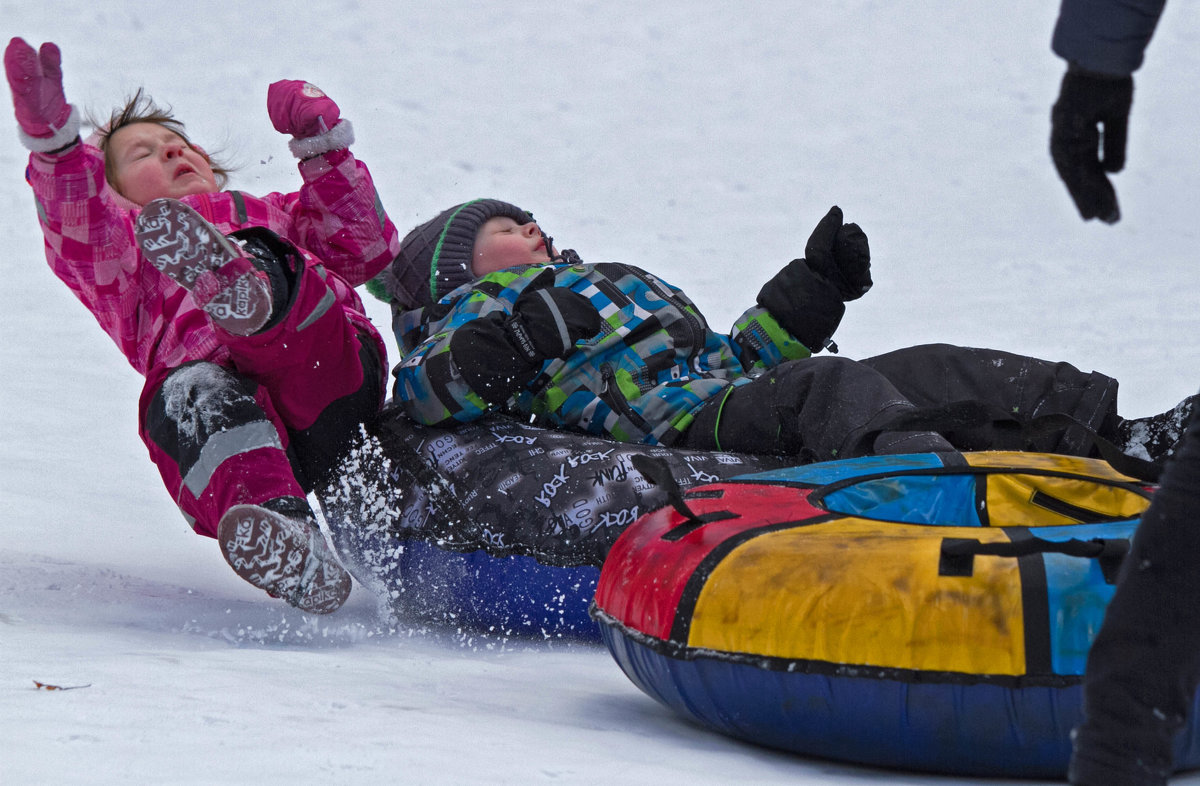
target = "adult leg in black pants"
x: 1144, y: 666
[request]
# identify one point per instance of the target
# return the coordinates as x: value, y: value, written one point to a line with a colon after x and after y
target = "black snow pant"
x: 829, y: 407
x: 1144, y: 667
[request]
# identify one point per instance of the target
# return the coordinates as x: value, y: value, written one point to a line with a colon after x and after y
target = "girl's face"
x: 151, y: 161
x: 501, y: 243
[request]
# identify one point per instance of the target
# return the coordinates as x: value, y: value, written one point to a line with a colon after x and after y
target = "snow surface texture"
x: 700, y: 140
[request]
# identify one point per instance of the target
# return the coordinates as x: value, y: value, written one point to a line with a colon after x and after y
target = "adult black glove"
x: 808, y: 296
x: 1086, y: 103
x: 498, y: 354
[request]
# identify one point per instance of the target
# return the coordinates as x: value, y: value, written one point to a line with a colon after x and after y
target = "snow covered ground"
x: 701, y: 140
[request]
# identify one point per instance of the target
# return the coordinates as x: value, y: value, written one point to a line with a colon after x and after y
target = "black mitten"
x: 498, y: 354
x: 804, y: 304
x: 1086, y: 103
x: 807, y: 297
x: 840, y: 253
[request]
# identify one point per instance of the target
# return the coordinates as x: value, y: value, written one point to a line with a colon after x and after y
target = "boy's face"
x: 151, y: 161
x: 502, y: 243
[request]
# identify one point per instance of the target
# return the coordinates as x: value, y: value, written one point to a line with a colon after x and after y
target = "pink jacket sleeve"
x: 90, y: 245
x: 337, y: 216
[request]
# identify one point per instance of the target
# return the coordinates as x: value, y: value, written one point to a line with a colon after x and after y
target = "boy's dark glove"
x: 498, y: 354
x: 808, y: 296
x: 547, y: 321
x: 1086, y: 102
x: 840, y: 253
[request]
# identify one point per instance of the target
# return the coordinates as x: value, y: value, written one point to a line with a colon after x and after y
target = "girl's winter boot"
x: 222, y: 279
x: 285, y: 556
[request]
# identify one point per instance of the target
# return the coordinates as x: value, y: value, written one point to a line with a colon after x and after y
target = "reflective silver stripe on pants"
x: 225, y: 445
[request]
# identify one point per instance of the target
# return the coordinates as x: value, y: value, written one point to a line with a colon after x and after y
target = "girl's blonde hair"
x: 140, y: 108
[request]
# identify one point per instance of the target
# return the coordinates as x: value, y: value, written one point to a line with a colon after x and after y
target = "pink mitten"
x: 36, y: 81
x: 300, y: 109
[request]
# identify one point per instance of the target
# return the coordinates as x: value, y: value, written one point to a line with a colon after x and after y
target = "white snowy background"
x: 701, y: 140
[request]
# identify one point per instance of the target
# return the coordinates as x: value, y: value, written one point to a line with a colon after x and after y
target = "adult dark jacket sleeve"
x: 1106, y: 36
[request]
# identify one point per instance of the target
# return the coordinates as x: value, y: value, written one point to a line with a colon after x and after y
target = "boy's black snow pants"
x: 829, y: 407
x: 1144, y: 666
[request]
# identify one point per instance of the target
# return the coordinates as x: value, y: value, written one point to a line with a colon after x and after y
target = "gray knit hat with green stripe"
x: 435, y: 257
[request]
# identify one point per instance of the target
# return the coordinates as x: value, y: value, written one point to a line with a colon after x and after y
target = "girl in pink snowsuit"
x: 239, y: 310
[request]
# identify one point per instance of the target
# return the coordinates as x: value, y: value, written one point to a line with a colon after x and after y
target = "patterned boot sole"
x: 287, y: 558
x: 181, y: 244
